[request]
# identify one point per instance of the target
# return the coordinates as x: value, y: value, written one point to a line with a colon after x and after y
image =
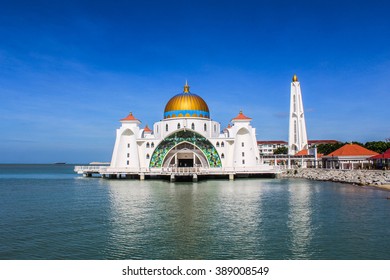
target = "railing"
x: 90, y: 169
x: 173, y: 170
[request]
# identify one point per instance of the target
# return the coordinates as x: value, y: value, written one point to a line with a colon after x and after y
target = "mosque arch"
x: 185, y: 136
x: 187, y: 151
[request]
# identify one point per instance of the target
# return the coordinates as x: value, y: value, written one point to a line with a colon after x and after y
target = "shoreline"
x: 379, y: 179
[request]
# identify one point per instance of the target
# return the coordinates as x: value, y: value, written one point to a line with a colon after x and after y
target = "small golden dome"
x: 186, y: 104
x: 295, y: 78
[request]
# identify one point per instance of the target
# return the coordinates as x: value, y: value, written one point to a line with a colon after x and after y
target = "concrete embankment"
x: 359, y: 177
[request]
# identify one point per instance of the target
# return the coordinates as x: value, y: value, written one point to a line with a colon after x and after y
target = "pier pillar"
x: 172, y: 178
x: 142, y: 176
x: 289, y: 162
x: 231, y: 176
x: 194, y: 178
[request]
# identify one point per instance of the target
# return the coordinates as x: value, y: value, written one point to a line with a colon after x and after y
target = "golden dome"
x: 186, y: 104
x: 295, y: 78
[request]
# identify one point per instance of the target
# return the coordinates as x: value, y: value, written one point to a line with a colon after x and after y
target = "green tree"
x: 328, y: 148
x: 377, y: 146
x: 281, y: 151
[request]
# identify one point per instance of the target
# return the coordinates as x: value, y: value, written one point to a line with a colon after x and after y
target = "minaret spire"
x: 297, y: 135
x: 186, y: 88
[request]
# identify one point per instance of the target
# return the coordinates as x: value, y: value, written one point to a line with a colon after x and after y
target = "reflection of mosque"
x: 186, y: 141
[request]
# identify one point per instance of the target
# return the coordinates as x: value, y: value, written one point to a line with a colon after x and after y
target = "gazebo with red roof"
x: 349, y: 156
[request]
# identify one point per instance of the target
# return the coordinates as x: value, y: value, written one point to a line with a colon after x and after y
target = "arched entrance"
x: 185, y: 155
x: 183, y: 145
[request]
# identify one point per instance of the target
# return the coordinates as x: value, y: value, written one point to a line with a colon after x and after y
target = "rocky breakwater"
x: 359, y: 177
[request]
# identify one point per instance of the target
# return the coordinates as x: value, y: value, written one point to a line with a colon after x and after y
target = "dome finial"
x: 186, y: 88
x: 295, y: 78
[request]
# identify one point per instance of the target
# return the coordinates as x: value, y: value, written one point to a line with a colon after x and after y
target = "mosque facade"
x: 186, y: 140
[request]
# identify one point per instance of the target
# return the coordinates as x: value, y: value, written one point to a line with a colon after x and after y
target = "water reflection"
x: 244, y: 219
x: 185, y: 220
x: 300, y: 219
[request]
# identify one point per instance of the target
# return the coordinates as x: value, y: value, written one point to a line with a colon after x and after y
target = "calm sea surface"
x: 48, y: 212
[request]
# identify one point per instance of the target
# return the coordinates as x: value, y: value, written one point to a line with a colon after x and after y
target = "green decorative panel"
x: 185, y: 136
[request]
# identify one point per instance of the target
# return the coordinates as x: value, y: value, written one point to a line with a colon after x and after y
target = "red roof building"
x: 382, y: 161
x: 352, y: 150
x: 349, y: 156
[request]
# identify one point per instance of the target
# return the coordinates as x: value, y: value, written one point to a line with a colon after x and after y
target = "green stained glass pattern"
x: 185, y: 136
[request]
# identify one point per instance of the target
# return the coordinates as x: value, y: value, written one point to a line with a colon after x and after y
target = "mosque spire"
x: 295, y: 78
x: 186, y: 88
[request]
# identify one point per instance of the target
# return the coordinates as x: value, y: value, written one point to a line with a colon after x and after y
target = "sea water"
x: 49, y: 212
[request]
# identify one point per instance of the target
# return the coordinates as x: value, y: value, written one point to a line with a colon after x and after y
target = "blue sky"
x: 69, y: 70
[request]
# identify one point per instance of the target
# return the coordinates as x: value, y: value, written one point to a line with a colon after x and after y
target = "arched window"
x: 152, y: 145
x: 242, y: 144
x: 178, y: 126
x: 222, y: 156
x: 205, y: 127
x: 147, y: 156
x: 128, y: 145
x: 147, y: 145
x: 157, y: 128
x: 215, y: 127
x: 193, y: 126
x: 243, y: 154
x: 222, y: 144
x: 217, y: 144
x: 166, y: 127
x: 128, y: 154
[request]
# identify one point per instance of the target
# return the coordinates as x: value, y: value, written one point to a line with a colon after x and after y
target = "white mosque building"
x: 187, y: 142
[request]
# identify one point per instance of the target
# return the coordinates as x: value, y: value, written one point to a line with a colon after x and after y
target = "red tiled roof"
x: 147, y: 129
x: 130, y: 117
x: 352, y: 150
x: 303, y: 152
x: 384, y: 155
x: 241, y: 116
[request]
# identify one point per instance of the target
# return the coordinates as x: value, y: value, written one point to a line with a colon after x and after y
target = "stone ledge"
x: 359, y: 177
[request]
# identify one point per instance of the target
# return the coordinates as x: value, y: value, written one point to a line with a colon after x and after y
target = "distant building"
x: 268, y: 147
x: 349, y: 156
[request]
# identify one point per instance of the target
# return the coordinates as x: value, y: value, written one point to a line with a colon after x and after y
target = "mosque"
x: 187, y: 142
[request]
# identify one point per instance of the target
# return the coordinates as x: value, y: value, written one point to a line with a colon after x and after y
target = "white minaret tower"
x: 297, y: 136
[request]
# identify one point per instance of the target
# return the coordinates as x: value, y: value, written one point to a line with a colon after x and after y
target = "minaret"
x: 297, y: 136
